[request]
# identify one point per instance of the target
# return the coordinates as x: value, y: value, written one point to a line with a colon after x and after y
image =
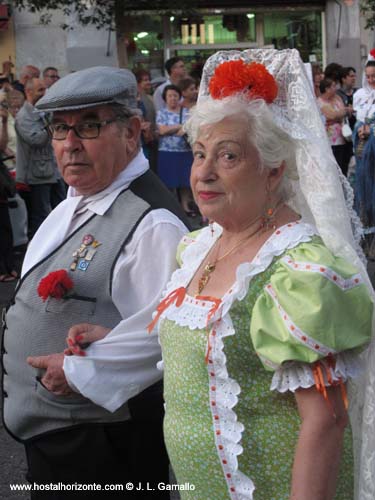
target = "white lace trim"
x: 329, y: 274
x: 193, y: 312
x: 293, y: 375
x: 294, y: 330
x: 223, y: 394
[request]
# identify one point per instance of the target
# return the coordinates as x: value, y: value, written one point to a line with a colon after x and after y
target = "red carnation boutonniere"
x: 372, y: 53
x: 56, y: 284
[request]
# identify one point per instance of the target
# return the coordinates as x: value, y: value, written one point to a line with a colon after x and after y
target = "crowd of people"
x: 241, y: 353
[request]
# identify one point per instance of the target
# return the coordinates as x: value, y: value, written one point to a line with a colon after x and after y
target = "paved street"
x: 12, y: 462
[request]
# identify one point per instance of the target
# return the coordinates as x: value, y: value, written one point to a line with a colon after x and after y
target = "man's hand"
x: 54, y: 378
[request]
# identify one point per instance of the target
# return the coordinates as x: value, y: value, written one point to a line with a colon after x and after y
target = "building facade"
x: 322, y: 31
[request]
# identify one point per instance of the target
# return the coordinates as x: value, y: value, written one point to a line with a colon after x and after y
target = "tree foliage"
x: 102, y: 13
x: 368, y: 9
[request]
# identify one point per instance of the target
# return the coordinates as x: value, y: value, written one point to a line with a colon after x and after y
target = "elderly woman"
x: 261, y: 326
x: 174, y: 158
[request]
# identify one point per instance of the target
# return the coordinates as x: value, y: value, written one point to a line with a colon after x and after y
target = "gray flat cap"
x: 91, y: 87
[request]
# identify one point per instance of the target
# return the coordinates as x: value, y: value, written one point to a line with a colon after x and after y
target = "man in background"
x: 149, y: 137
x: 26, y: 73
x: 36, y: 166
x: 50, y: 76
x: 175, y: 67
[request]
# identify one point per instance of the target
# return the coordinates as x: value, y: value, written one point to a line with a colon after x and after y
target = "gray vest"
x: 37, y: 328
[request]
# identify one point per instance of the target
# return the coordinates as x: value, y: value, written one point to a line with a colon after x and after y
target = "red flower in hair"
x: 56, y: 284
x: 233, y: 77
x: 372, y: 53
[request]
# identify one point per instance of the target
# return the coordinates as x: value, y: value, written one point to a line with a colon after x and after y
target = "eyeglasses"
x: 55, y: 77
x: 84, y: 130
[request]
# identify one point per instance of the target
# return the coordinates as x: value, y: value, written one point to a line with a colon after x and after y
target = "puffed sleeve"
x: 186, y: 240
x: 314, y: 308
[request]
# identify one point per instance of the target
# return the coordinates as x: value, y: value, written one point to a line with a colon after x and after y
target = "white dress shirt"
x: 364, y: 103
x: 122, y: 364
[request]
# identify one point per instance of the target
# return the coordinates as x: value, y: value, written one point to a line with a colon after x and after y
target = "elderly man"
x: 98, y: 418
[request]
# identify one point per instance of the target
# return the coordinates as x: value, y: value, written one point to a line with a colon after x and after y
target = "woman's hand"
x: 169, y: 129
x: 319, y: 447
x: 364, y: 131
x: 82, y: 335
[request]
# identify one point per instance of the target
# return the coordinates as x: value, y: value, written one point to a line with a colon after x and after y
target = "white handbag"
x: 346, y: 131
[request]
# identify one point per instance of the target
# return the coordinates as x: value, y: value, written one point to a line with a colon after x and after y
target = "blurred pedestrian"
x: 50, y: 76
x: 26, y: 73
x: 149, y: 132
x: 175, y: 157
x: 334, y: 111
x: 7, y: 190
x: 175, y: 67
x: 364, y: 149
x: 36, y: 164
x: 189, y: 91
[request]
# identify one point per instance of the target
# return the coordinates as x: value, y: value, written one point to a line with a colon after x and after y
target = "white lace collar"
x: 193, y: 312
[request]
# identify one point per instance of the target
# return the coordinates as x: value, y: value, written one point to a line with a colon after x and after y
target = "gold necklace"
x: 210, y: 268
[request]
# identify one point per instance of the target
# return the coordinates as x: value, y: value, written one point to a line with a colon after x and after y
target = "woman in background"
x: 334, y: 111
x: 175, y: 157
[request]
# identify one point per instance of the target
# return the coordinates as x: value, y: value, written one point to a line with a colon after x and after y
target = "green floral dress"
x: 232, y: 365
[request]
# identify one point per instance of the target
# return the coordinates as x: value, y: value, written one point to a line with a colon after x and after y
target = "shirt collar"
x: 100, y: 202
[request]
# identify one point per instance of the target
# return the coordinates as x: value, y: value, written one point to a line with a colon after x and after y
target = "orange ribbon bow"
x: 176, y: 296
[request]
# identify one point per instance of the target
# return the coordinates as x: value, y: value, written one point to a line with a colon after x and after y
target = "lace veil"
x: 322, y: 196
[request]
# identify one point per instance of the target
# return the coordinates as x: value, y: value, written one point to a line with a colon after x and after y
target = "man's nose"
x: 72, y: 142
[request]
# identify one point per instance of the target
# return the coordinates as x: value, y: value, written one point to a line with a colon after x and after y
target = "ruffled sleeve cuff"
x: 294, y: 375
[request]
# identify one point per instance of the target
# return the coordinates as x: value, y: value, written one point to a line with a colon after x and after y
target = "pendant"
x: 205, y: 278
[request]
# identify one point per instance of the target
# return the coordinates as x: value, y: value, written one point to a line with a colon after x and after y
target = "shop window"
x: 209, y: 30
x: 145, y: 43
x: 295, y: 30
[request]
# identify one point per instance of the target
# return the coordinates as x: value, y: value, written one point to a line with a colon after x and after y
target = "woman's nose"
x: 206, y: 170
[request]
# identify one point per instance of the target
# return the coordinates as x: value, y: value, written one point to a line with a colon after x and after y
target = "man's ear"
x: 133, y: 133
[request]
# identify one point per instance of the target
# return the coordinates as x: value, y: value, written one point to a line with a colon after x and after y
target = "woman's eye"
x: 226, y: 155
x: 198, y: 155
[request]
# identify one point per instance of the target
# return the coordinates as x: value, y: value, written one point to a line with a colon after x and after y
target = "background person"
x: 364, y: 147
x: 189, y: 92
x: 334, y: 111
x: 175, y: 157
x: 50, y: 76
x: 26, y: 73
x: 175, y: 67
x: 149, y: 134
x: 317, y: 76
x: 36, y: 164
x: 7, y: 190
x: 96, y: 419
